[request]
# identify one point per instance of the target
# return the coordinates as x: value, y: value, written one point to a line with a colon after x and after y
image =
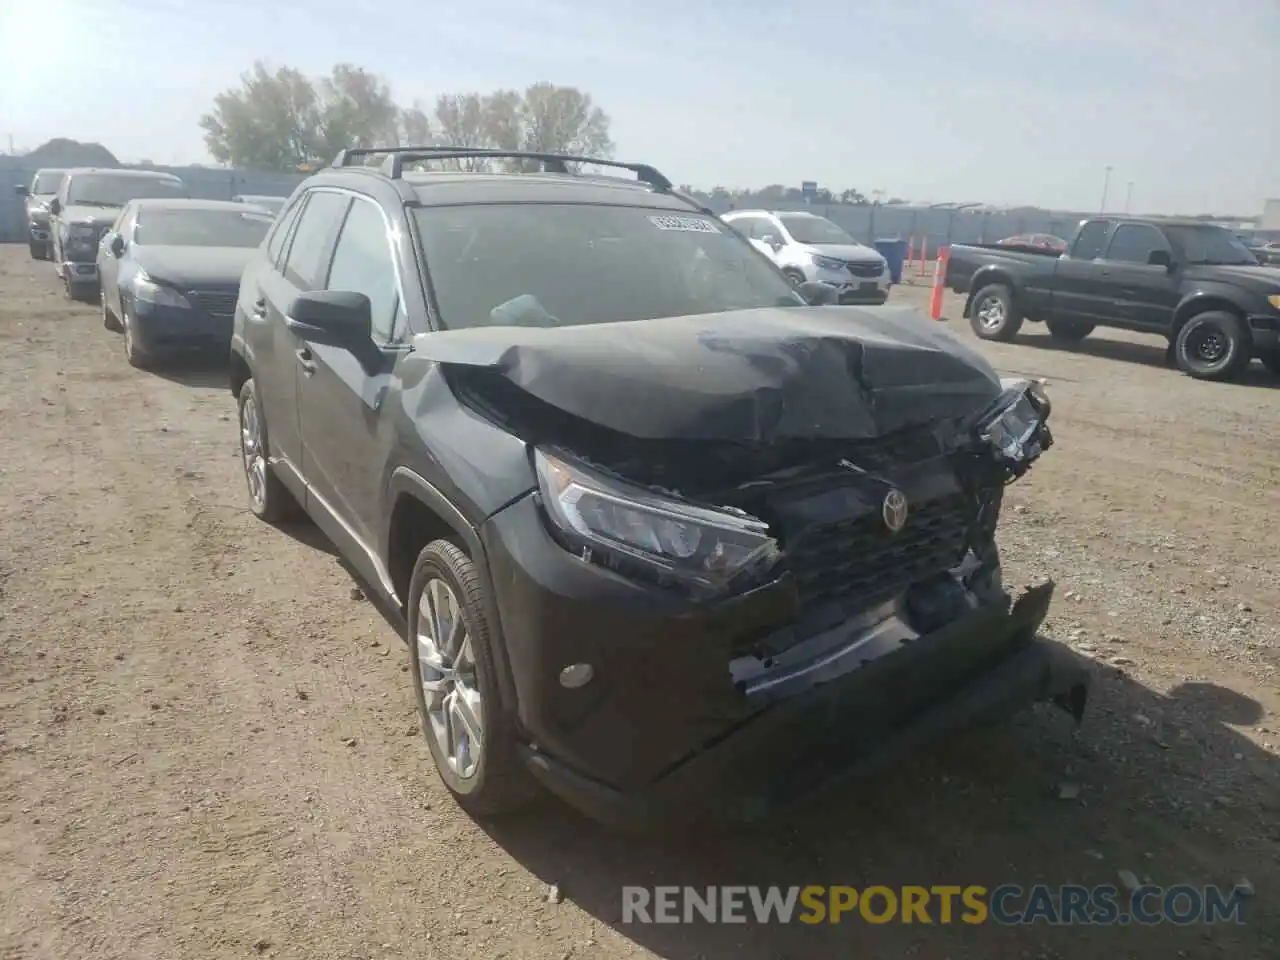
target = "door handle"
x: 260, y: 308
x: 304, y: 359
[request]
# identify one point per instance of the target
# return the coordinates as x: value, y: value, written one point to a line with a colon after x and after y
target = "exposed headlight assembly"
x: 148, y: 291
x: 636, y: 532
x: 1016, y: 427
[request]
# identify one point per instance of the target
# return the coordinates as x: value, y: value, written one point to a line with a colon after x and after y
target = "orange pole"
x: 939, y: 280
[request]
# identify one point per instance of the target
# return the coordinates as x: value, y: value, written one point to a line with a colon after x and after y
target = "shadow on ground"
x: 196, y: 370
x: 1165, y: 791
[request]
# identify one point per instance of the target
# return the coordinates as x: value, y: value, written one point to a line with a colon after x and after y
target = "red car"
x: 1036, y: 241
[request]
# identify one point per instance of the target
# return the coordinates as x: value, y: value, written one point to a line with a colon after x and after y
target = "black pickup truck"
x: 1193, y: 283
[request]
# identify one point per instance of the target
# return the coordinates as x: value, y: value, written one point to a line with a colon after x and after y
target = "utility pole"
x: 1106, y: 182
x: 1128, y: 195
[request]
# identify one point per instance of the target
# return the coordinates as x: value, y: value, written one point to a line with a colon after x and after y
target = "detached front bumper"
x: 663, y: 733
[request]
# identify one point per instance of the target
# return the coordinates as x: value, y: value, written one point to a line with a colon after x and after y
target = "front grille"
x: 218, y: 303
x: 863, y: 269
x: 857, y: 563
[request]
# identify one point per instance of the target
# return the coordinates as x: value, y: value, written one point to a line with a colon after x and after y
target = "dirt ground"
x: 208, y: 745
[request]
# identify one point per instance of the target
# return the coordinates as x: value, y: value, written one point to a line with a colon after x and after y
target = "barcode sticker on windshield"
x: 687, y: 224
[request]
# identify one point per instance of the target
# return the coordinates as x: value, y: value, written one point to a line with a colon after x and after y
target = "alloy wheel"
x: 991, y: 313
x: 450, y: 688
x: 251, y: 451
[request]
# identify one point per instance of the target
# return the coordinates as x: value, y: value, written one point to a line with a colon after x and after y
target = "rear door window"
x: 312, y: 246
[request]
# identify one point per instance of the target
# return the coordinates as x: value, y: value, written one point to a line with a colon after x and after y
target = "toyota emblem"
x: 894, y: 510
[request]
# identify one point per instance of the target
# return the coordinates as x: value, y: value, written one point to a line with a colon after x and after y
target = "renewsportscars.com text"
x: 1069, y: 904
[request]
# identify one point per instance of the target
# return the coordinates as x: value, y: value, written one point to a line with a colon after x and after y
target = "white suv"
x: 809, y: 247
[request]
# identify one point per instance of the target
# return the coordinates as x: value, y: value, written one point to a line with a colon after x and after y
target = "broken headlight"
x: 638, y: 532
x: 1016, y: 427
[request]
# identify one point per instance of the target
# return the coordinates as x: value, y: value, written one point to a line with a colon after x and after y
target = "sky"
x: 989, y: 101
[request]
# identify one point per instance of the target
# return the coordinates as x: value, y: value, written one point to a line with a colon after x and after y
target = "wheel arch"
x: 1203, y: 303
x: 985, y: 277
x: 419, y: 514
x: 241, y: 369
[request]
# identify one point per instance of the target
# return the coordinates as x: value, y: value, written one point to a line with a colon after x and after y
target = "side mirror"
x: 55, y: 206
x: 817, y: 294
x: 117, y: 245
x: 771, y: 240
x: 332, y: 317
x: 21, y: 190
x: 1160, y: 258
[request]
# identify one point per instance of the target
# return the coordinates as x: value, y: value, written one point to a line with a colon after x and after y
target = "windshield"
x: 814, y: 230
x: 1216, y: 246
x: 200, y: 228
x: 105, y: 190
x: 543, y: 264
x: 46, y: 183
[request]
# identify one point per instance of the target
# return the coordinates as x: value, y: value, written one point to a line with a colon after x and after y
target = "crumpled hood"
x: 194, y: 266
x: 753, y: 376
x: 38, y: 207
x: 845, y: 251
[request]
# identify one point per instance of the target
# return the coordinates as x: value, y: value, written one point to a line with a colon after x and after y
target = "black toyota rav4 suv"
x: 668, y: 538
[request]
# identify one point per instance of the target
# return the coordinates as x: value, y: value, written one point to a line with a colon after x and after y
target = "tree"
x: 564, y: 120
x: 272, y: 122
x: 282, y: 120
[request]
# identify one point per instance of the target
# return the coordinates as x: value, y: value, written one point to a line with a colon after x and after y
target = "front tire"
x: 137, y: 355
x: 269, y: 498
x: 795, y: 276
x: 993, y: 315
x: 1214, y: 345
x: 1068, y: 331
x: 109, y: 319
x: 39, y: 249
x: 455, y: 685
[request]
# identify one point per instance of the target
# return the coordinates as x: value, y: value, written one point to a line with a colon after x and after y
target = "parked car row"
x: 165, y: 268
x: 671, y: 534
x: 1193, y: 283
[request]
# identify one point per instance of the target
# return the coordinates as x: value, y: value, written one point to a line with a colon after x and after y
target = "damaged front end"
x: 798, y: 561
x: 876, y: 543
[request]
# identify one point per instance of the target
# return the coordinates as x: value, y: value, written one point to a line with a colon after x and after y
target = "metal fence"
x: 206, y: 183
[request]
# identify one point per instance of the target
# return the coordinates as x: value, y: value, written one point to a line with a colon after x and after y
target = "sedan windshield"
x: 810, y: 229
x: 46, y: 183
x: 1211, y: 245
x: 200, y: 228
x: 105, y: 190
x: 541, y: 264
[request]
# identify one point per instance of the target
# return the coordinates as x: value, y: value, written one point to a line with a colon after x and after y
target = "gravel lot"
x: 208, y: 745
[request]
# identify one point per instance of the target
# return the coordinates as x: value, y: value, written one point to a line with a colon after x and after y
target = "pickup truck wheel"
x: 1214, y: 345
x: 269, y: 498
x: 469, y: 735
x: 992, y: 315
x: 1068, y: 331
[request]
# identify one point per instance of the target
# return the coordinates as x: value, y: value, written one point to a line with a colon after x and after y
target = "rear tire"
x: 1214, y: 345
x: 80, y: 292
x: 993, y: 315
x: 269, y: 499
x: 1068, y: 331
x: 478, y: 762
